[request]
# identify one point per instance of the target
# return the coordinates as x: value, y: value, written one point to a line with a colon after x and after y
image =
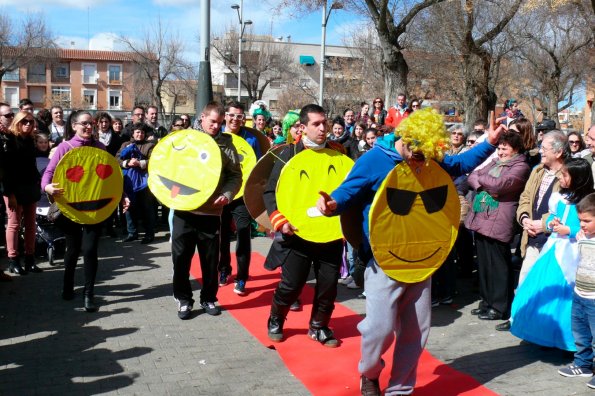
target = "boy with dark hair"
x: 583, y: 303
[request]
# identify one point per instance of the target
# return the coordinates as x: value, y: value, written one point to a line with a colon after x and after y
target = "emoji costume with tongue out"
x: 184, y: 169
x: 92, y: 183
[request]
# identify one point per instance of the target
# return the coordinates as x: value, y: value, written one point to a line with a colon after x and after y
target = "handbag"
x: 53, y: 212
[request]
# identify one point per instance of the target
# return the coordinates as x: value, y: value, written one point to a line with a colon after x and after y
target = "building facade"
x: 81, y: 79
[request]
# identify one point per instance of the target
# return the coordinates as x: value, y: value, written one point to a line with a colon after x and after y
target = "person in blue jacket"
x: 394, y: 307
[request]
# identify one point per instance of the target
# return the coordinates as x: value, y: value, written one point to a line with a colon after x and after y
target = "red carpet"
x: 327, y: 371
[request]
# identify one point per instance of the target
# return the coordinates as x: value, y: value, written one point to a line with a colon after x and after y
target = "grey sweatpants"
x: 398, y: 309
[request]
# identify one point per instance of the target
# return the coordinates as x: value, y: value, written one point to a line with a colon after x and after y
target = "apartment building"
x: 81, y: 79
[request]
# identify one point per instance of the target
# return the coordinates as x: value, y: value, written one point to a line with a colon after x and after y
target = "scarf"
x: 496, y: 169
x: 105, y: 138
x: 312, y: 145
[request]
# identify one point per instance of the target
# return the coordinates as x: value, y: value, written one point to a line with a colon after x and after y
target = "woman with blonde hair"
x: 21, y: 191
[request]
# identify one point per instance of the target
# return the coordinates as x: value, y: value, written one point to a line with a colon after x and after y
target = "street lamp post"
x: 240, y: 10
x: 204, y: 93
x: 336, y: 5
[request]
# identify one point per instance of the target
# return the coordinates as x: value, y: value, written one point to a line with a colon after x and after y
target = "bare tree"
x: 557, y: 43
x: 25, y: 42
x: 158, y: 56
x: 263, y: 61
x: 391, y: 20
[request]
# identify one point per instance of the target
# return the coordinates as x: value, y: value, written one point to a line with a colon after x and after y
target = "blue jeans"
x: 583, y: 328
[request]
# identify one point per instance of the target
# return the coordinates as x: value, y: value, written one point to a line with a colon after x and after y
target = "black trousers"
x: 237, y: 211
x: 326, y: 260
x: 191, y: 231
x: 85, y: 239
x: 494, y: 265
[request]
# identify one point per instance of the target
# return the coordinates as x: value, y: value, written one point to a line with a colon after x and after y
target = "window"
x: 36, y: 94
x: 62, y: 70
x: 275, y: 84
x: 273, y: 104
x: 231, y: 81
x: 182, y: 100
x: 61, y: 96
x: 89, y: 73
x: 89, y: 98
x: 11, y: 96
x: 36, y: 73
x: 115, y: 74
x: 11, y: 75
x: 115, y: 99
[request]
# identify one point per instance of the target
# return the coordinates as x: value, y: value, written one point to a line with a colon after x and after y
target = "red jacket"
x: 395, y: 117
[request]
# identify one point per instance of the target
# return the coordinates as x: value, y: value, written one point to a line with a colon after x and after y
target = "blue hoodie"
x: 371, y: 169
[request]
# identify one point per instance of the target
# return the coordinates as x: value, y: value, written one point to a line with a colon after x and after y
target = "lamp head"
x: 247, y: 22
x: 235, y: 6
x: 337, y: 5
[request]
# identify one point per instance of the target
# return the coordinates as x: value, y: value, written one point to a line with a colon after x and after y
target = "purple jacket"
x: 62, y: 149
x: 498, y: 223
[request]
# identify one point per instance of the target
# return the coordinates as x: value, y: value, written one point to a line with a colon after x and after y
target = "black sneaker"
x: 325, y: 336
x: 575, y: 371
x: 240, y: 288
x: 369, y: 387
x: 184, y: 311
x: 211, y: 308
x: 223, y: 277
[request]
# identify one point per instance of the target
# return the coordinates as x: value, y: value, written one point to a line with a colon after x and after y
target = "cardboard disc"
x: 351, y: 225
x: 255, y: 185
x: 247, y: 159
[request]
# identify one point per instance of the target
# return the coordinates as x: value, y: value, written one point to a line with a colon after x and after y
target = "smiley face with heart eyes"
x: 92, y: 183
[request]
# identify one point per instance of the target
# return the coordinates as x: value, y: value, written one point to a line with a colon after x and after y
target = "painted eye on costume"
x: 204, y: 156
x: 104, y: 171
x: 304, y: 173
x: 400, y: 201
x: 332, y: 168
x: 75, y: 174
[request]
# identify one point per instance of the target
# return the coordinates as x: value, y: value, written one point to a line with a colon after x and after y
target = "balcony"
x: 90, y: 79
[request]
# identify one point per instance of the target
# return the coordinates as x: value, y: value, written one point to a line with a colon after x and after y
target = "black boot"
x: 30, y: 264
x: 319, y: 330
x: 275, y: 322
x: 90, y: 305
x: 14, y: 266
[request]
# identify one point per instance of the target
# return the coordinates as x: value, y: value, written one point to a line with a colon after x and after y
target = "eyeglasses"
x: 573, y: 142
x: 27, y: 121
x: 235, y: 116
x: 378, y: 101
x: 8, y: 115
x: 457, y: 133
x: 471, y: 141
x: 85, y: 123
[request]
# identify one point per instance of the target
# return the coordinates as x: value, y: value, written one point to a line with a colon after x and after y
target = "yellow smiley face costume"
x: 92, y: 183
x: 184, y: 169
x: 300, y: 181
x: 247, y: 159
x: 414, y: 221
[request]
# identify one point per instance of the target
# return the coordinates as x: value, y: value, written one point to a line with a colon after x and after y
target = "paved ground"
x: 136, y: 345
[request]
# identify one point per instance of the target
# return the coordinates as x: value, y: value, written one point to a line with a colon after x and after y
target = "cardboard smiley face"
x: 247, y: 159
x: 414, y: 221
x: 92, y: 182
x: 184, y: 169
x: 300, y: 181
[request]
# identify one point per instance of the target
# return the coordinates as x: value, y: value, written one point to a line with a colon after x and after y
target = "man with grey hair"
x: 533, y: 203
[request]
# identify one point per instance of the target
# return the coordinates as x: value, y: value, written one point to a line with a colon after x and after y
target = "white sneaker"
x: 346, y: 280
x: 353, y: 285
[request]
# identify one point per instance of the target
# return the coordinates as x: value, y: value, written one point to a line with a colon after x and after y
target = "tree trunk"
x: 552, y: 106
x: 478, y: 99
x: 396, y: 71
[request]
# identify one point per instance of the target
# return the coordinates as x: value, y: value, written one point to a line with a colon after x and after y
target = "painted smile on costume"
x: 90, y: 206
x: 177, y: 188
x: 414, y: 261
